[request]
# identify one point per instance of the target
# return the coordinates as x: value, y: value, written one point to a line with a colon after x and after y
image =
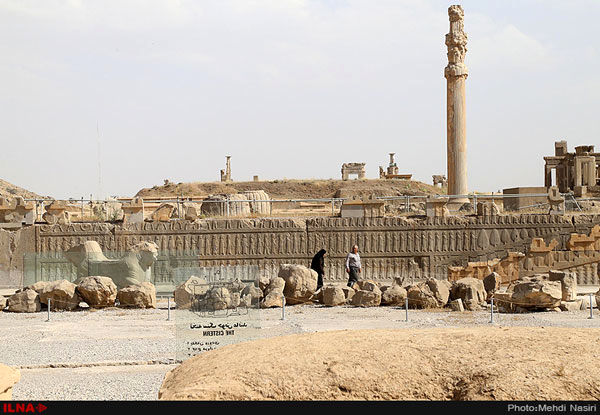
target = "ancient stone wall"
x: 389, y: 247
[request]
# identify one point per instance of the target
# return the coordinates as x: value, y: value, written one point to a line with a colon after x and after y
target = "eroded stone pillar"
x: 456, y: 75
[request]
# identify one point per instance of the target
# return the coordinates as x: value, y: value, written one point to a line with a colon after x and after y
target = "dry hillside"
x: 10, y: 191
x: 296, y: 189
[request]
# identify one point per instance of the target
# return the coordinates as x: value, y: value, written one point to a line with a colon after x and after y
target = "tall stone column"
x: 456, y: 75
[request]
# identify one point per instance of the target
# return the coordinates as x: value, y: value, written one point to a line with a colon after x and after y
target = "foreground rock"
x: 97, y: 291
x: 300, y: 283
x: 250, y: 296
x: 185, y: 293
x: 537, y: 293
x: 393, y: 296
x: 471, y: 291
x: 8, y: 378
x: 421, y: 296
x: 26, y: 301
x: 137, y: 296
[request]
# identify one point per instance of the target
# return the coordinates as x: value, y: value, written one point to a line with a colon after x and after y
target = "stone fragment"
x: 251, y: 296
x: 138, y: 296
x: 421, y: 296
x: 333, y: 295
x: 300, y: 283
x: 537, y: 293
x: 273, y: 299
x: 394, y: 295
x: 192, y: 289
x: 39, y: 286
x: 440, y: 290
x: 62, y: 295
x: 348, y: 293
x: 571, y: 305
x: 2, y: 302
x: 491, y: 283
x: 471, y: 291
x: 263, y: 282
x: 568, y: 283
x: 26, y: 301
x: 191, y: 211
x: 367, y: 298
x: 97, y: 291
x: 457, y: 305
x: 8, y: 378
x: 163, y: 213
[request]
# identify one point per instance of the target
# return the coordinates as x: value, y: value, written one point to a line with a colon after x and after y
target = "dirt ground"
x: 474, y: 363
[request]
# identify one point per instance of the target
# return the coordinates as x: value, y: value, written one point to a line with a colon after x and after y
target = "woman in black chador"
x: 318, y: 264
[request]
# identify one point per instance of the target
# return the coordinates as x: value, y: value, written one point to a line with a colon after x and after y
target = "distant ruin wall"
x: 389, y: 247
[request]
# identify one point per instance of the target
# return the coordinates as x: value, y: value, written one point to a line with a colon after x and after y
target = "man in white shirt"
x: 353, y: 266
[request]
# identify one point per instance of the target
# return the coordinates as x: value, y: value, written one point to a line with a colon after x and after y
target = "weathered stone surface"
x: 491, y: 283
x: 163, y: 213
x: 440, y: 290
x: 457, y: 305
x: 368, y: 285
x: 26, y: 301
x: 273, y: 299
x: 250, y: 296
x: 185, y: 292
x: 39, y: 286
x: 276, y: 284
x: 421, y: 296
x: 367, y: 298
x: 471, y: 291
x: 537, y: 293
x: 62, y: 295
x: 394, y: 295
x: 263, y: 282
x: 597, y: 298
x: 571, y: 305
x: 138, y: 296
x: 300, y: 283
x: 2, y: 303
x: 97, y: 291
x: 568, y: 283
x: 333, y: 295
x: 8, y: 378
x: 191, y: 211
x: 348, y: 292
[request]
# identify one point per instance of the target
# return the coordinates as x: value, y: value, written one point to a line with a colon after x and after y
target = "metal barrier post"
x: 591, y: 307
x: 406, y: 308
x: 49, y: 306
x: 168, y: 308
x: 492, y: 311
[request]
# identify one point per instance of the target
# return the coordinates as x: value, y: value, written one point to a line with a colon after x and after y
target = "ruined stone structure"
x: 389, y: 247
x: 226, y: 174
x: 435, y: 207
x: 18, y: 211
x: 440, y: 180
x: 392, y: 171
x: 353, y: 168
x: 573, y: 170
x: 456, y: 75
x: 362, y: 208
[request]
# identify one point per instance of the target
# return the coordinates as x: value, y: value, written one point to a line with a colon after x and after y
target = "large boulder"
x: 8, y: 378
x: 367, y: 298
x: 440, y: 290
x: 421, y: 296
x: 62, y: 295
x: 274, y: 296
x: 333, y: 295
x: 393, y: 295
x: 300, y: 283
x: 348, y: 293
x: 471, y: 291
x: 537, y: 292
x: 39, y: 286
x: 192, y: 289
x: 568, y: 283
x: 218, y: 298
x: 26, y: 301
x: 97, y: 291
x: 137, y: 296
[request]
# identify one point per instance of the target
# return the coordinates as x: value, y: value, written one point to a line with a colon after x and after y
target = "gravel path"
x: 116, y: 354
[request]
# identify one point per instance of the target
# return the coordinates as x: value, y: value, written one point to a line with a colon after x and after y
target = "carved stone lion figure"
x: 134, y: 268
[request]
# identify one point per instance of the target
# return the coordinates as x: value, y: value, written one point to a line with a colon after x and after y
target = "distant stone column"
x: 456, y: 75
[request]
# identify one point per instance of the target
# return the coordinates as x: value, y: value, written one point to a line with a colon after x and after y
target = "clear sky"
x: 164, y: 89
